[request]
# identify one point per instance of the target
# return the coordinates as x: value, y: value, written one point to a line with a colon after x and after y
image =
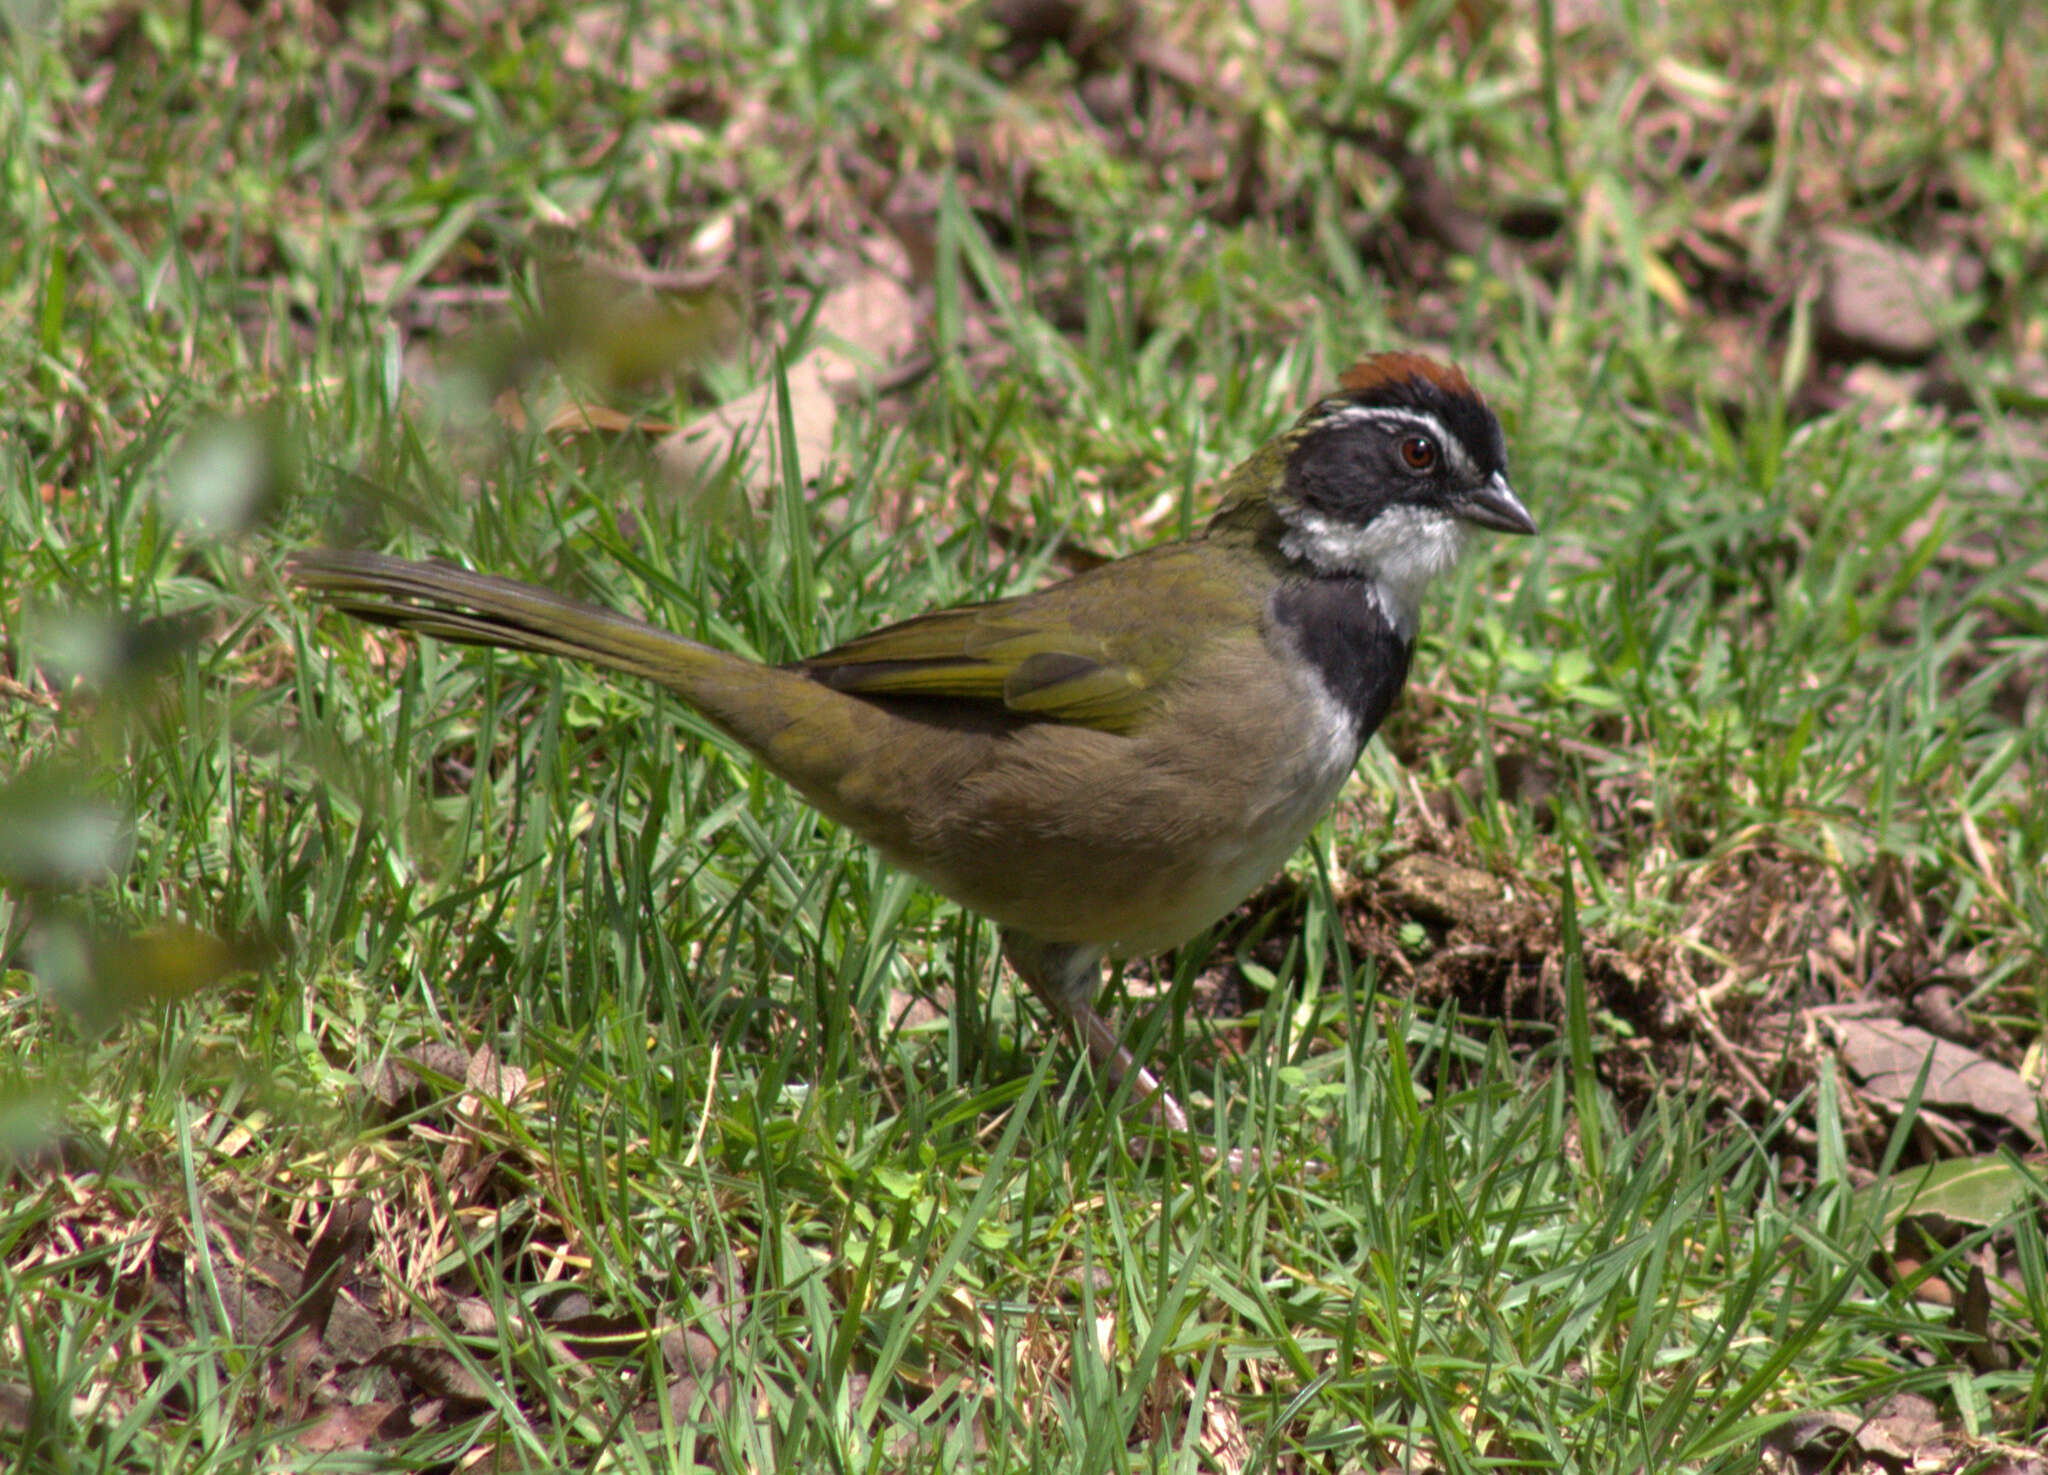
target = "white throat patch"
x: 1399, y: 552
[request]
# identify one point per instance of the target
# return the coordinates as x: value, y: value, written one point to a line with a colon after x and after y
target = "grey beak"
x: 1495, y: 505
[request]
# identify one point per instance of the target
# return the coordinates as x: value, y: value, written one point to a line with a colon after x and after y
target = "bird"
x: 1110, y: 764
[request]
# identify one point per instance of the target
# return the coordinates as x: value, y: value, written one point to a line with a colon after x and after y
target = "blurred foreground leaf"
x: 231, y: 472
x: 98, y: 978
x: 622, y: 327
x: 55, y: 835
x: 107, y: 649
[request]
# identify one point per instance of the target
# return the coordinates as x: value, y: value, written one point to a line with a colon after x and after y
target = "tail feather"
x: 860, y: 761
x: 454, y: 604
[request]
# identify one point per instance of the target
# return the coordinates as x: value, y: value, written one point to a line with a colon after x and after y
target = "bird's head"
x: 1382, y: 479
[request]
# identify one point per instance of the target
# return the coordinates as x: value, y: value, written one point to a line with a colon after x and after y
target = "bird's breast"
x: 1342, y: 635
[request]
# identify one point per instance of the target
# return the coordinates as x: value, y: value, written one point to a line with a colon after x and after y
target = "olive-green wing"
x: 1094, y: 651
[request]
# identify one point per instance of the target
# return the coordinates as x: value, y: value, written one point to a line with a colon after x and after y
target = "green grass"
x: 1781, y: 669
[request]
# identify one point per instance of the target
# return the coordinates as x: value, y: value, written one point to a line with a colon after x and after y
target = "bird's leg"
x: 1067, y: 976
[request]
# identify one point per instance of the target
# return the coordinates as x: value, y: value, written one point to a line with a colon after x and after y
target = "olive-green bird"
x: 1106, y: 766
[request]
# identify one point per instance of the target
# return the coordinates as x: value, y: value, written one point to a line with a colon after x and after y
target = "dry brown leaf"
x: 873, y: 316
x: 869, y: 324
x: 745, y: 430
x: 355, y: 1425
x: 436, y: 1371
x: 488, y: 1076
x: 576, y: 417
x: 1886, y: 1057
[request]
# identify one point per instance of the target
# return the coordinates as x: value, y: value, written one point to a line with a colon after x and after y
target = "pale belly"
x: 1231, y: 871
x: 1134, y: 847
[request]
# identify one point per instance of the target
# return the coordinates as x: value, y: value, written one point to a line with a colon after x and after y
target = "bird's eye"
x: 1419, y: 451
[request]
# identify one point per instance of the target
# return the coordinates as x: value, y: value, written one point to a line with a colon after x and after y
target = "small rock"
x: 1439, y: 891
x: 1880, y: 299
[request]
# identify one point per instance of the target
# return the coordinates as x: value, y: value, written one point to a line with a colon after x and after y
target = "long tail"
x: 862, y: 762
x: 454, y: 604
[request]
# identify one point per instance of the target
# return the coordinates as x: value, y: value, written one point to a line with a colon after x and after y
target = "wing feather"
x: 1065, y: 654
